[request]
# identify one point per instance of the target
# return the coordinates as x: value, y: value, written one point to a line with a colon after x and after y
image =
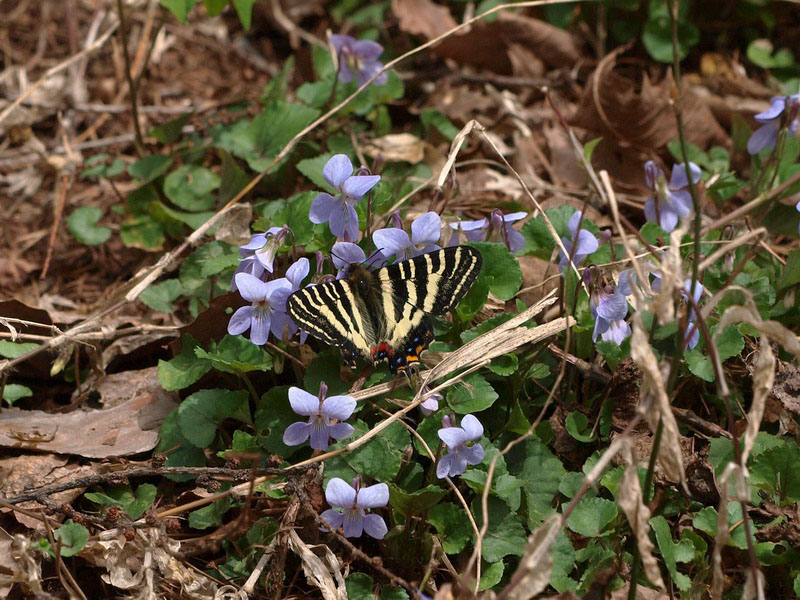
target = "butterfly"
x: 386, y: 314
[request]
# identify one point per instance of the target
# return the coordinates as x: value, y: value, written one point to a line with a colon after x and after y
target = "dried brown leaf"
x: 324, y: 575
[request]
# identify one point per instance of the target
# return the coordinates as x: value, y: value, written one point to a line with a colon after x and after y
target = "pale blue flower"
x: 354, y: 500
x: 584, y: 242
x: 266, y: 311
x: 425, y: 233
x: 320, y: 411
x: 258, y: 255
x: 497, y: 228
x: 461, y: 445
x: 781, y: 113
x: 359, y: 58
x: 669, y: 202
x: 340, y: 212
x: 609, y: 308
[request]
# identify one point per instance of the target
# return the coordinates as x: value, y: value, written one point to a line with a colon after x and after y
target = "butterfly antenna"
x: 378, y: 253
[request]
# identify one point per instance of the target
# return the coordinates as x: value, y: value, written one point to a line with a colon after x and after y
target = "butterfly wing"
x: 414, y: 289
x: 333, y: 313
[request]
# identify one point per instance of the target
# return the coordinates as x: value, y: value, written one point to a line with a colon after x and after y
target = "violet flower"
x: 669, y: 202
x: 431, y: 403
x: 781, y: 113
x: 497, y: 228
x: 340, y: 212
x: 353, y: 500
x: 266, y: 311
x: 461, y: 446
x: 258, y: 255
x: 425, y: 233
x: 295, y: 275
x: 692, y: 335
x: 359, y: 58
x: 584, y: 242
x: 319, y: 410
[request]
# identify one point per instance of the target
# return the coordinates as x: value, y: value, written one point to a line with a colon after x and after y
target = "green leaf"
x: 244, y: 8
x: 312, y: 169
x: 183, y: 370
x: 672, y: 553
x: 161, y: 296
x: 180, y: 453
x: 82, y: 224
x: 491, y: 575
x: 790, y: 275
x: 170, y: 131
x: 393, y: 593
x: 325, y: 367
x: 657, y: 38
x: 777, y: 471
x: 277, y: 88
x: 563, y: 555
x: 432, y: 117
x: 233, y: 179
x: 576, y: 425
x: 14, y: 391
x: 504, y: 365
x: 699, y: 364
x: 379, y: 459
x: 591, y: 516
x: 452, y: 526
x: 273, y: 415
x: 505, y: 536
x: 190, y: 187
x: 73, y: 537
x: 142, y: 231
x: 211, y: 515
x: 415, y: 503
x: 706, y: 521
x: 148, y: 168
x: 720, y: 451
x: 471, y: 394
x: 588, y: 148
x: 501, y: 271
x: 533, y: 463
x: 359, y: 587
x: 729, y: 343
x: 179, y: 8
x: 760, y: 53
x: 16, y: 349
x: 235, y: 354
x: 123, y: 497
x: 201, y: 413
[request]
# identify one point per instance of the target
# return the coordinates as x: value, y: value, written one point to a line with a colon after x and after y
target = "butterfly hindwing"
x: 333, y: 313
x: 386, y: 314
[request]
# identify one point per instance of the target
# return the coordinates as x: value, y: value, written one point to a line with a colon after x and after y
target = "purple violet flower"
x: 425, y: 232
x: 295, y: 275
x: 431, y: 403
x: 340, y: 212
x: 781, y: 113
x: 497, y: 228
x: 609, y: 308
x: 669, y: 202
x: 258, y: 255
x: 266, y: 311
x: 319, y: 410
x: 359, y: 58
x: 584, y: 241
x: 354, y: 500
x: 461, y: 446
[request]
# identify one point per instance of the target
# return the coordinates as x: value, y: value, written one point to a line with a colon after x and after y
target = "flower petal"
x: 776, y: 107
x: 338, y: 407
x: 333, y: 518
x: 617, y: 332
x: 339, y: 219
x: 652, y: 172
x: 303, y: 402
x: 367, y: 49
x: 340, y: 493
x: 679, y: 180
x: 473, y: 455
x: 458, y: 464
x: 574, y: 221
x: 373, y: 496
x: 339, y: 41
x: 240, y: 320
x: 251, y: 288
x: 296, y: 433
x: 375, y: 526
x: 681, y: 203
x: 340, y: 431
x: 353, y: 524
x: 319, y: 434
x: 453, y: 436
x: 297, y: 272
x: 516, y: 241
x: 472, y: 426
x: 391, y: 241
x: 337, y: 170
x: 358, y: 185
x: 443, y: 468
x: 258, y: 240
x: 347, y: 253
x: 512, y: 217
x: 765, y: 136
x: 426, y: 229
x: 587, y: 243
x: 259, y: 325
x: 613, y: 307
x: 321, y: 208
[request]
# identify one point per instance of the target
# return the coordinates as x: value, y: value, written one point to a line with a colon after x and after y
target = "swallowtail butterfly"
x: 385, y: 314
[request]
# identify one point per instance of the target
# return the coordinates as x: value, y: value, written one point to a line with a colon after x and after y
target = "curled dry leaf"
x: 631, y: 501
x: 325, y: 577
x: 398, y: 147
x: 640, y: 113
x: 20, y: 563
x: 553, y: 46
x: 234, y: 227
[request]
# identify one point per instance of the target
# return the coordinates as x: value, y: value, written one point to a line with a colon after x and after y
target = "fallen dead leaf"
x: 21, y: 473
x: 128, y: 428
x: 397, y: 147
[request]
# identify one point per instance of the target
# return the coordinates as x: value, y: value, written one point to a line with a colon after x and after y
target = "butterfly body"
x: 385, y: 314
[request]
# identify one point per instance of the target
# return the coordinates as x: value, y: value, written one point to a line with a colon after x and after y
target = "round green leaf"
x: 82, y: 224
x: 190, y: 187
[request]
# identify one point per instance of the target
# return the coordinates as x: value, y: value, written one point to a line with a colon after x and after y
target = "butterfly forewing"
x: 387, y: 314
